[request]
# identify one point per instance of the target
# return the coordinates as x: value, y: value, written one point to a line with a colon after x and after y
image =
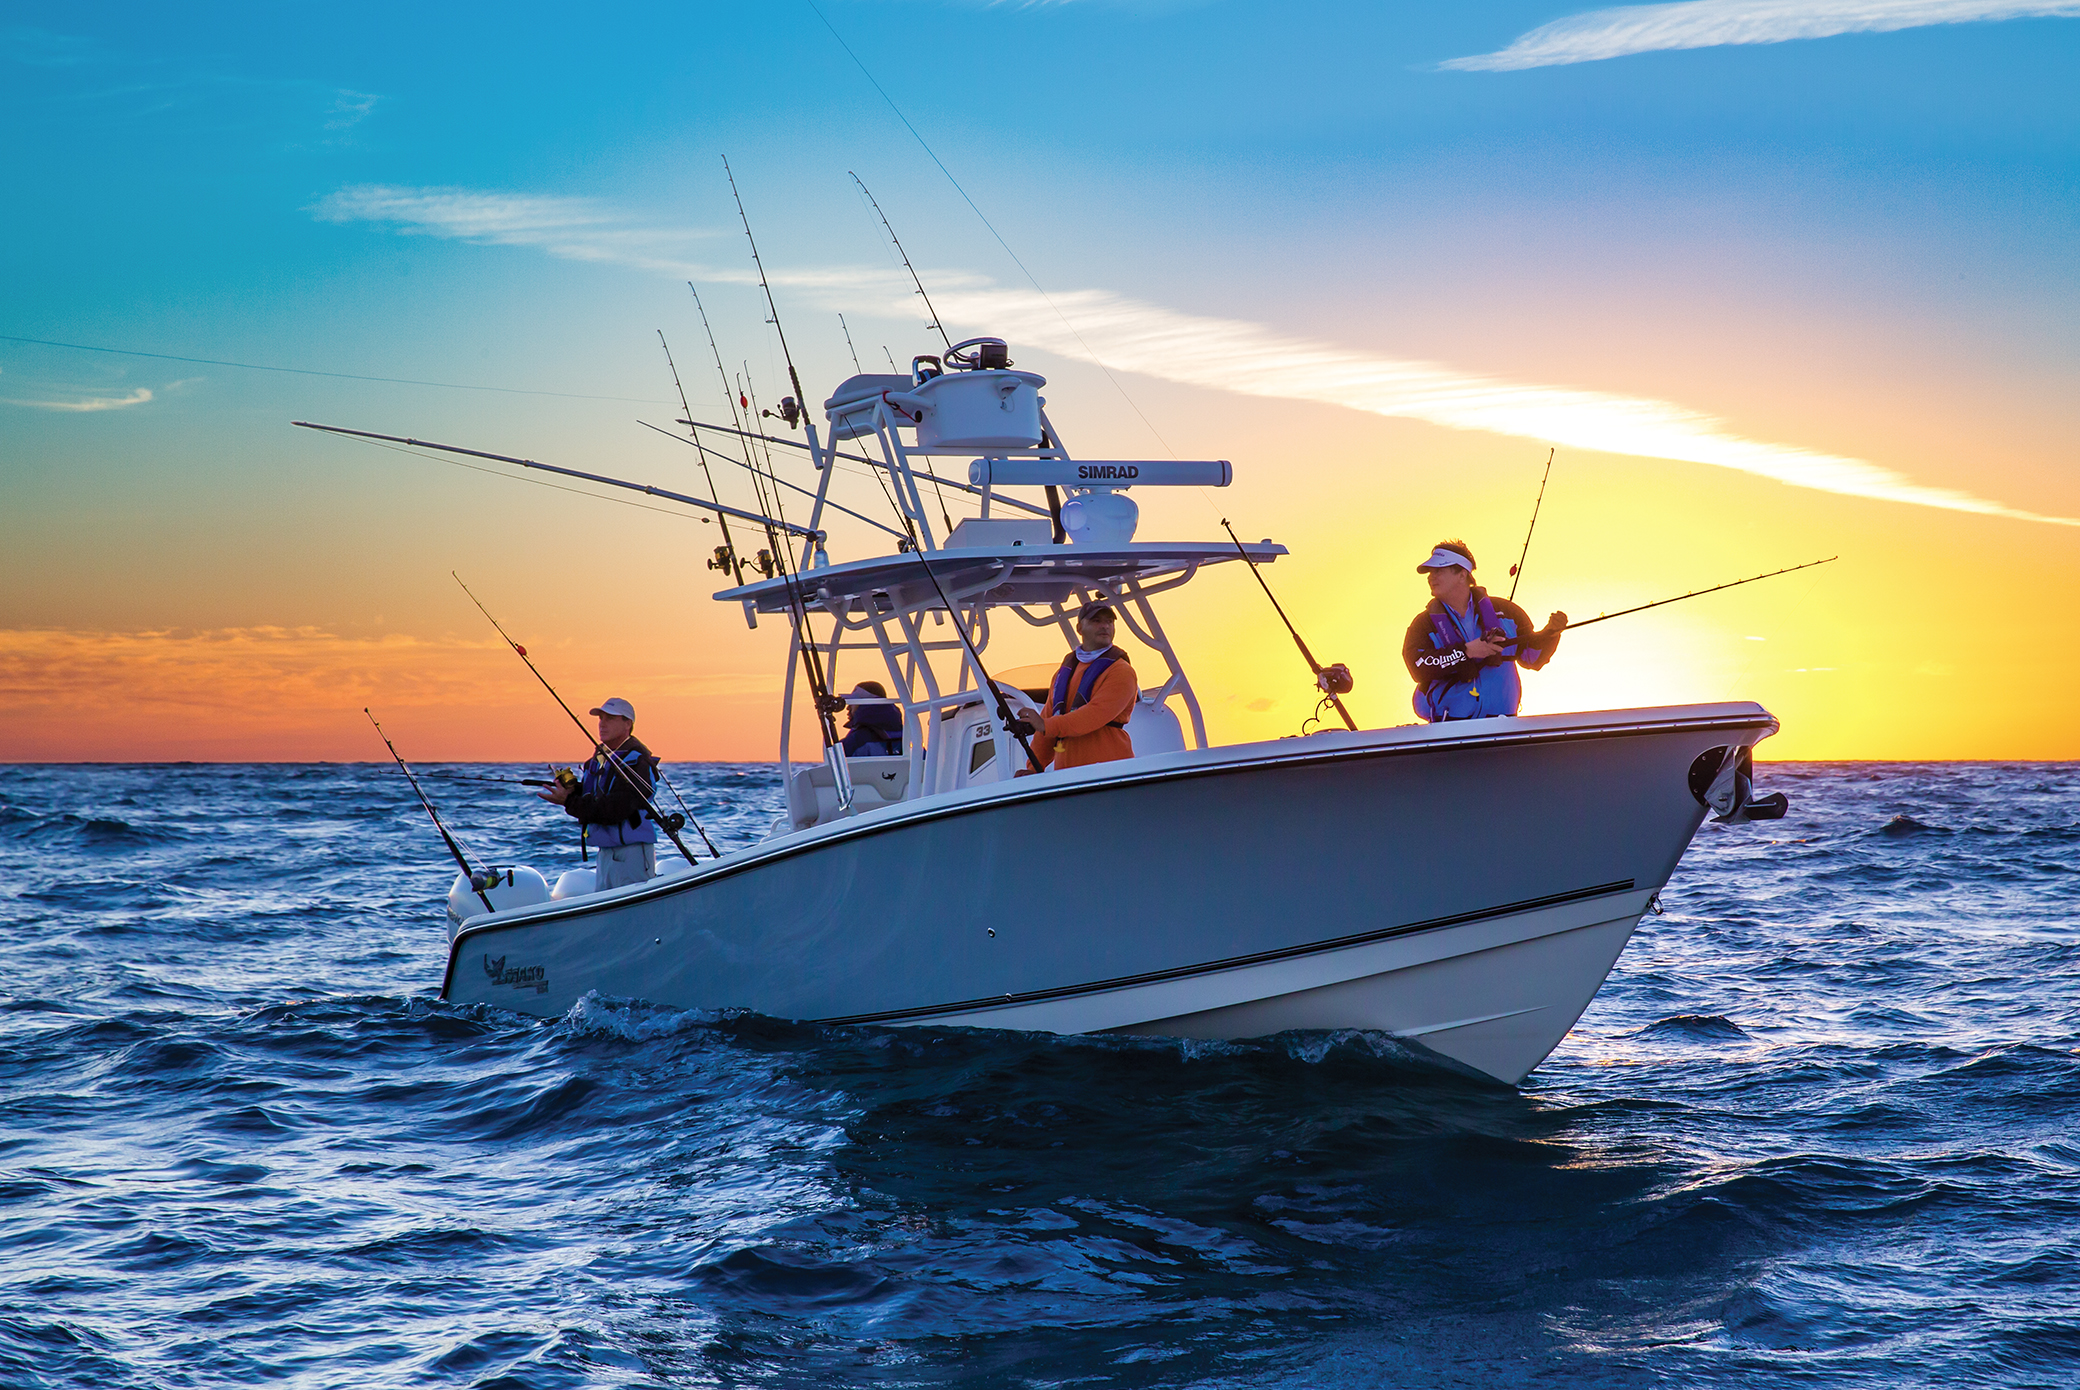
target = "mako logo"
x: 1106, y: 472
x: 533, y: 977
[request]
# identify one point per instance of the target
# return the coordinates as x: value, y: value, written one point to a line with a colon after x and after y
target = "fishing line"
x: 797, y: 607
x: 1697, y: 593
x: 1096, y: 360
x: 727, y: 558
x: 1516, y: 571
x: 665, y: 823
x: 1017, y: 728
x: 340, y: 376
x: 849, y: 347
x: 533, y: 482
x: 792, y: 487
x: 936, y: 323
x: 1324, y: 680
x: 1805, y: 599
x: 476, y: 884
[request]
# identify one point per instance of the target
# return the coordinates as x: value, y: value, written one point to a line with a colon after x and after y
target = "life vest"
x: 875, y: 731
x: 1462, y: 695
x: 599, y: 779
x: 1061, y: 698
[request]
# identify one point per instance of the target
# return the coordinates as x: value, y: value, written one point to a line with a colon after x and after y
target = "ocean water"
x: 1821, y: 1128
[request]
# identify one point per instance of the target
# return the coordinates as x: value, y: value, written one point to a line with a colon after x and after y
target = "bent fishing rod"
x: 1017, y: 728
x: 645, y: 488
x: 668, y: 823
x: 1697, y: 593
x: 477, y: 885
x: 1516, y: 571
x: 1335, y: 682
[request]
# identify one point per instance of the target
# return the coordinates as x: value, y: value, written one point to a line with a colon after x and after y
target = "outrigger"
x: 1467, y: 886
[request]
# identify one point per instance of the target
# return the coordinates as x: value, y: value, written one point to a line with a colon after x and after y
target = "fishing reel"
x: 765, y: 564
x: 790, y: 411
x: 723, y: 560
x: 830, y: 704
x: 675, y: 822
x: 566, y: 779
x: 1334, y: 680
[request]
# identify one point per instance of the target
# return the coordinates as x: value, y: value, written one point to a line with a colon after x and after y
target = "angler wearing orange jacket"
x: 1090, y: 700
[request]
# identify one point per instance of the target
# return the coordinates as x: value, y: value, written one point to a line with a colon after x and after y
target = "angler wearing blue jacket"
x: 1463, y: 650
x: 612, y: 812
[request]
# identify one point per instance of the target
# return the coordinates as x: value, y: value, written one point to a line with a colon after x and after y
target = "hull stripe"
x: 1460, y: 919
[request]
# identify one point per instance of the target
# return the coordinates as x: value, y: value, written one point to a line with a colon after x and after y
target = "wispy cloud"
x: 1218, y: 354
x: 88, y: 403
x: 1613, y: 33
x: 577, y: 229
x: 1230, y: 355
x: 40, y: 48
x: 350, y: 108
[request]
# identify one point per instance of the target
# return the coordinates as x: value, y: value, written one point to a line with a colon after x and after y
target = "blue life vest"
x: 599, y: 779
x: 1059, y: 695
x: 876, y: 731
x: 1486, y: 691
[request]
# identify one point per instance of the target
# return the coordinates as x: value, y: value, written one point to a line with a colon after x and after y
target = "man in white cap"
x: 608, y: 806
x: 1464, y: 649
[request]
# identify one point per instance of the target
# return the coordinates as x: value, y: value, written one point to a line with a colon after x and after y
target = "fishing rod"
x: 726, y: 554
x: 476, y: 884
x: 1017, y: 728
x: 797, y: 609
x: 645, y: 488
x: 1698, y: 593
x: 1516, y: 571
x: 668, y: 823
x: 795, y: 414
x: 791, y: 487
x: 792, y: 408
x: 935, y: 323
x: 1333, y: 681
x: 848, y: 347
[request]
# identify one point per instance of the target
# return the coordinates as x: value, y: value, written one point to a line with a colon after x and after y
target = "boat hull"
x: 1465, y: 885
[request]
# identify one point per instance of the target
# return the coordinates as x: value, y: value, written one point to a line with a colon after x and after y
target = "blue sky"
x: 1789, y: 259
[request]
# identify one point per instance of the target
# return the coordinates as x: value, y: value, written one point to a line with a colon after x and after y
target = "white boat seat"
x: 1154, y: 726
x: 887, y: 777
x: 876, y: 782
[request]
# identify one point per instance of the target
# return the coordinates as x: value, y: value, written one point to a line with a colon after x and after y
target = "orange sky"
x: 1900, y: 650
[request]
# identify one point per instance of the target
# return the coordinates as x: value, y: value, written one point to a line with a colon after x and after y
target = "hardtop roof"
x: 993, y: 576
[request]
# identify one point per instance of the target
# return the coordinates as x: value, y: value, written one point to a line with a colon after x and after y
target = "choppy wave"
x: 1817, y: 1130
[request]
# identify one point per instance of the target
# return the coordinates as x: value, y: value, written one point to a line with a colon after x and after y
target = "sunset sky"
x: 1775, y: 280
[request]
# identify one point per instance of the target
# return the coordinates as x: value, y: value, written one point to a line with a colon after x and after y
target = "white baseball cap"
x: 616, y: 706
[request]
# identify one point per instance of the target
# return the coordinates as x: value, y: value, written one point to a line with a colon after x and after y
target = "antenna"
x: 906, y: 261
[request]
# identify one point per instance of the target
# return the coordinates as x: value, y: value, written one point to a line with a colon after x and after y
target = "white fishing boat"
x: 1467, y: 886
